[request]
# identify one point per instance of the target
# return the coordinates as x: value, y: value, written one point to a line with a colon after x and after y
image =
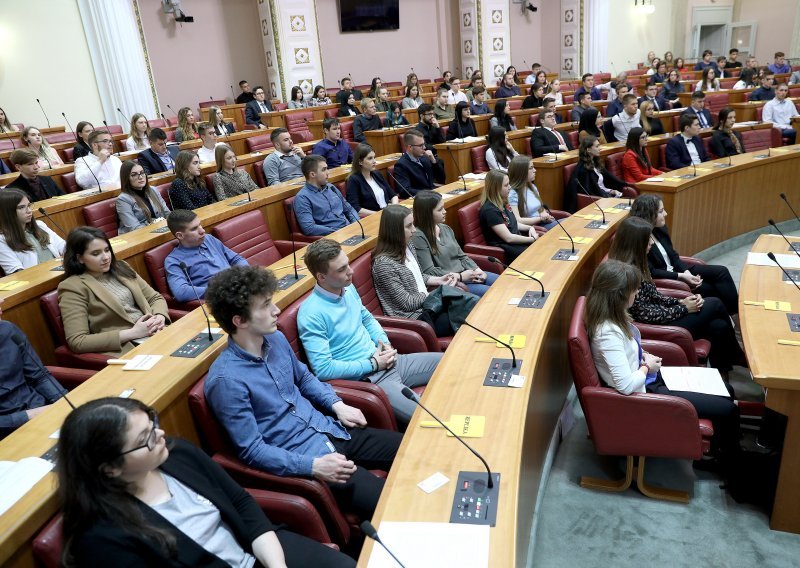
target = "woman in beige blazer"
x: 105, y: 306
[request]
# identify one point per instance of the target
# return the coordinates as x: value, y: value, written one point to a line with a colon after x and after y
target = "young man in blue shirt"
x: 319, y: 206
x: 336, y: 151
x: 267, y: 400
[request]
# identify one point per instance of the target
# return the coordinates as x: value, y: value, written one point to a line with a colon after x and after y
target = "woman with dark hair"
x: 412, y: 80
x: 679, y: 64
x: 320, y: 97
x: 412, y: 98
x: 188, y: 190
x: 671, y: 87
x: 348, y: 107
x: 636, y: 165
x: 725, y: 141
x: 513, y: 70
x: 437, y: 249
x: 82, y: 147
x: 132, y: 497
x: 447, y: 76
x: 665, y: 262
x: 374, y: 87
x: 541, y: 79
x: 217, y: 120
x: 524, y: 198
x: 501, y: 116
x: 589, y: 125
x: 297, y: 98
x: 535, y: 98
x: 590, y: 176
x: 647, y: 118
x: 187, y: 127
x: 394, y: 116
x: 138, y: 204
x: 709, y: 82
x: 105, y: 306
x: 462, y: 126
x: 24, y: 241
x: 747, y: 79
x: 399, y: 282
x: 705, y: 318
x: 500, y: 151
x: 367, y: 190
x: 498, y: 223
x: 229, y: 181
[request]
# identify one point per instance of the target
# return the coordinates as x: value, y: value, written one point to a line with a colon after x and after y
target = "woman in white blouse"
x: 709, y: 82
x: 140, y: 130
x: 412, y: 98
x: 24, y: 241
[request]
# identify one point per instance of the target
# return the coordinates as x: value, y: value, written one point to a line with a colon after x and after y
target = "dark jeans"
x: 301, y: 551
x: 712, y: 322
x: 717, y: 283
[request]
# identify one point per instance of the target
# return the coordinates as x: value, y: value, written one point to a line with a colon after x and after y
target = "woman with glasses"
x: 132, y: 497
x: 138, y: 205
x: 24, y: 241
x: 636, y: 164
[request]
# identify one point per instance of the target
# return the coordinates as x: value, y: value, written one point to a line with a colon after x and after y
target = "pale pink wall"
x: 550, y: 38
x: 192, y: 62
x: 775, y: 26
x: 526, y: 36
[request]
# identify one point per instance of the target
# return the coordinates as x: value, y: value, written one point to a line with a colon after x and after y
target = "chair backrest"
x: 761, y: 139
x: 760, y: 113
x: 58, y: 137
x: 662, y: 157
x: 163, y: 191
x: 291, y: 219
x: 568, y: 170
x: 715, y: 102
x: 346, y: 128
x: 296, y: 121
x: 248, y: 235
x: 209, y: 179
x: 258, y: 143
x: 362, y: 280
x: 514, y: 104
x: 280, y: 106
x: 49, y: 543
x: 69, y: 154
x: 103, y: 215
x: 287, y: 324
x: 52, y: 314
x: 212, y: 435
x: 470, y: 223
x: 614, y: 163
x: 533, y: 120
x: 68, y: 183
x: 156, y: 122
x: 584, y: 372
x: 154, y: 260
x: 206, y: 104
x: 573, y: 137
x: 331, y: 112
x: 258, y: 174
x: 478, y: 156
x: 115, y: 129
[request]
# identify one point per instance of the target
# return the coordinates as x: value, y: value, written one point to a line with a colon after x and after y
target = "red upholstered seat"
x: 64, y: 355
x: 163, y: 191
x: 258, y: 174
x: 331, y: 112
x: 156, y: 122
x: 59, y: 137
x: 514, y: 104
x: 154, y: 260
x: 102, y: 215
x: 614, y: 163
x: 478, y: 156
x: 346, y: 128
x: 70, y: 378
x: 662, y: 158
x: 68, y: 183
x: 258, y: 143
x: 715, y: 102
x: 761, y: 139
x: 248, y: 235
x: 573, y: 138
x: 297, y: 125
x: 474, y: 242
x: 294, y: 226
x: 280, y: 106
x: 69, y: 154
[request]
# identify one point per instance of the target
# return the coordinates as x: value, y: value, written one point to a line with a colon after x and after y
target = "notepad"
x: 706, y: 380
x: 17, y: 478
x: 115, y: 242
x: 761, y: 259
x: 655, y: 179
x: 443, y: 545
x: 514, y: 340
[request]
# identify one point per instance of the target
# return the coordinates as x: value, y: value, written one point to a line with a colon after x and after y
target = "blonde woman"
x: 217, y: 120
x: 5, y: 123
x: 650, y: 123
x: 48, y: 157
x: 140, y: 130
x: 229, y: 181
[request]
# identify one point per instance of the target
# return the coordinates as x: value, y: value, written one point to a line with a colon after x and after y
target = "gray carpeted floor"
x: 584, y: 528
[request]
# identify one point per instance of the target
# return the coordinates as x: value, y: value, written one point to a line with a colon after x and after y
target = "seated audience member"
x: 138, y: 204
x: 554, y: 92
x: 101, y: 166
x: 336, y: 151
x: 688, y: 148
x: 550, y: 105
x: 319, y: 206
x: 437, y: 250
x: 513, y: 71
x: 217, y: 120
x: 590, y: 124
x: 24, y: 241
x: 367, y: 120
x: 475, y: 82
x: 747, y: 79
x: 540, y: 78
x: 479, y: 105
x: 779, y: 65
x: 795, y: 78
x: 523, y: 195
x: 105, y: 306
x: 532, y: 77
x: 412, y: 98
x: 462, y: 126
x: 203, y: 254
x: 320, y: 97
x: 660, y: 75
x: 188, y: 190
x: 680, y: 65
x: 187, y: 126
x: 209, y: 138
x: 138, y: 135
x: 456, y: 95
x: 629, y: 118
x: 536, y: 97
x: 401, y: 287
x: 636, y: 164
x: 159, y: 157
x: 625, y: 367
x: 652, y: 96
x: 348, y: 107
x: 4, y: 168
x: 5, y: 123
x: 246, y: 95
x: 590, y: 177
x: 671, y: 88
x: 615, y: 106
x: 447, y: 76
x: 545, y: 139
x: 441, y: 109
x: 342, y: 340
x: 502, y: 117
x: 374, y: 87
x: 298, y: 99
x: 498, y: 223
x: 508, y: 88
x: 647, y: 118
x: 725, y: 141
x: 652, y: 70
x: 267, y: 400
x: 36, y: 187
x: 730, y: 62
x: 582, y: 102
x: 705, y: 318
x: 765, y: 92
x: 499, y: 151
x: 81, y: 147
x: 706, y: 62
x: 698, y: 108
x: 284, y: 163
x: 780, y: 110
x: 587, y: 86
x: 367, y: 191
x: 394, y: 116
x: 347, y: 90
x: 709, y: 83
x: 414, y: 170
x: 259, y: 104
x: 665, y: 262
x: 433, y: 134
x: 412, y: 79
x: 230, y: 181
x: 382, y: 100
x: 161, y: 502
x: 48, y: 157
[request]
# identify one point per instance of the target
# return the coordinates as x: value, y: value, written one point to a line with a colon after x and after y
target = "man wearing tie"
x: 686, y: 149
x: 255, y: 107
x: 651, y: 94
x: 546, y: 139
x: 699, y: 110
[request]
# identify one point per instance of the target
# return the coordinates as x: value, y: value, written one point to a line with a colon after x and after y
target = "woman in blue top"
x: 524, y: 196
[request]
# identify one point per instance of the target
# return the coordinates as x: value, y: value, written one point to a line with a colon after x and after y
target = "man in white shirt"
x: 456, y: 95
x: 209, y: 137
x: 779, y: 111
x: 627, y: 119
x: 101, y: 166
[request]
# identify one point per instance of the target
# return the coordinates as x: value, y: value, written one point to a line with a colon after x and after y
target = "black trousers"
x: 717, y: 283
x: 712, y: 322
x: 369, y: 448
x: 301, y: 552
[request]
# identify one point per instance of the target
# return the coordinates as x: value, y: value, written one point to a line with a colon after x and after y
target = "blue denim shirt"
x: 335, y: 155
x: 266, y: 404
x: 321, y: 211
x: 202, y: 263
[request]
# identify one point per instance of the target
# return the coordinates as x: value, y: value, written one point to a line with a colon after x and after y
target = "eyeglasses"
x: 416, y: 145
x: 150, y: 441
x: 25, y: 207
x: 141, y: 174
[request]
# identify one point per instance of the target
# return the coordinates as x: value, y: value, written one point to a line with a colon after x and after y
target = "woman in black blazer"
x: 586, y: 178
x: 462, y: 125
x: 725, y: 141
x: 365, y: 183
x: 132, y: 498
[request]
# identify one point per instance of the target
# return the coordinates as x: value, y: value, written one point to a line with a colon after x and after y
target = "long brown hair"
x: 134, y: 133
x: 518, y: 171
x: 362, y: 151
x: 584, y: 157
x: 77, y: 241
x: 10, y: 227
x: 646, y: 207
x: 613, y: 283
x: 492, y: 186
x: 630, y: 244
x: 391, y: 234
x: 126, y: 187
x: 425, y: 202
x: 497, y: 143
x: 182, y: 162
x: 188, y: 130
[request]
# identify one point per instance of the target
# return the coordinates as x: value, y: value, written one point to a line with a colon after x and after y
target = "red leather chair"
x: 70, y: 378
x: 331, y: 112
x: 102, y: 215
x: 156, y: 122
x: 715, y: 102
x: 154, y: 261
x: 258, y: 143
x: 68, y: 183
x: 573, y: 137
x: 280, y: 106
x: 297, y: 125
x: 614, y: 163
x: 514, y: 104
x: 294, y: 226
x: 69, y: 154
x: 761, y: 139
x: 637, y: 425
x: 662, y: 158
x: 248, y: 235
x: 347, y: 133
x: 64, y: 355
x: 258, y: 174
x: 163, y: 191
x: 474, y: 242
x: 478, y: 155
x: 59, y: 137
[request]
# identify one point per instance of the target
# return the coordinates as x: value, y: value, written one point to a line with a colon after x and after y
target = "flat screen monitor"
x: 369, y: 16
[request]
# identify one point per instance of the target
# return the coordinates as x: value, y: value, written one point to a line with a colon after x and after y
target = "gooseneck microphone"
x: 409, y: 394
x: 99, y: 189
x: 783, y: 196
x: 173, y: 112
x: 775, y: 260
x: 513, y: 355
x: 122, y: 114
x: 788, y: 242
x: 526, y: 275
x: 20, y: 342
x: 458, y: 169
x: 294, y: 248
x: 233, y: 94
x: 571, y: 241
x: 53, y: 221
x: 112, y: 136
x: 369, y: 530
x: 345, y: 205
x: 400, y: 185
x: 44, y: 113
x: 196, y: 295
x: 603, y: 213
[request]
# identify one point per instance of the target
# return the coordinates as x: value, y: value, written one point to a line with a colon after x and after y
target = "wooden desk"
x: 386, y: 140
x: 775, y: 368
x: 459, y: 161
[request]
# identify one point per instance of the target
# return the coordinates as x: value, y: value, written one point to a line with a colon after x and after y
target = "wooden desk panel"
x: 232, y: 113
x: 386, y: 140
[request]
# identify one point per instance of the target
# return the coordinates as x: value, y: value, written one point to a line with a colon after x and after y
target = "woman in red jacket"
x: 636, y: 165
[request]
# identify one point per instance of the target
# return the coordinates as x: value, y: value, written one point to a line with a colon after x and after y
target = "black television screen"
x: 375, y: 15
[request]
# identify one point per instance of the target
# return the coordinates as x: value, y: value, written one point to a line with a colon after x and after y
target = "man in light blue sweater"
x: 342, y: 340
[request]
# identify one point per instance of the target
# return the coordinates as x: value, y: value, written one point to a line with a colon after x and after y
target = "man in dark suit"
x: 546, y: 139
x: 158, y: 157
x: 4, y: 169
x: 698, y: 108
x: 414, y: 170
x: 588, y: 87
x: 615, y: 106
x: 246, y: 95
x: 428, y: 125
x: 36, y: 187
x: 651, y: 94
x: 687, y: 148
x: 253, y: 110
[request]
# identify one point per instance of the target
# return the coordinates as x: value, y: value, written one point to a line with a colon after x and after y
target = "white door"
x: 742, y: 36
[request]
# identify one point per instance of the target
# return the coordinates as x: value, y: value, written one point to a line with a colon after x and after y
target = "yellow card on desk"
x: 531, y: 273
x: 613, y: 210
x: 513, y: 340
x: 788, y: 342
x: 777, y: 306
x: 12, y: 285
x: 464, y: 425
x: 579, y: 240
x: 64, y: 197
x: 590, y: 217
x: 115, y: 242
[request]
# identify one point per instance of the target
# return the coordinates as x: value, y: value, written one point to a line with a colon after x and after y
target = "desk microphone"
x: 410, y: 395
x: 369, y: 530
x: 99, y: 189
x: 603, y: 213
x: 294, y: 249
x: 128, y: 120
x: 173, y: 112
x: 504, y: 265
x: 112, y: 136
x: 20, y: 341
x: 694, y: 170
x: 53, y: 221
x: 775, y: 260
x: 458, y: 169
x: 14, y: 146
x: 400, y: 185
x: 202, y: 307
x: 513, y: 355
x: 783, y: 196
x: 233, y: 94
x: 345, y: 205
x: 44, y: 113
x: 791, y: 246
x: 571, y: 241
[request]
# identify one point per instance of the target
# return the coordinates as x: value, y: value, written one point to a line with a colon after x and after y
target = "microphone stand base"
x: 196, y: 345
x: 354, y: 240
x: 288, y: 281
x: 474, y: 503
x: 533, y: 299
x: 623, y: 205
x: 566, y: 254
x: 597, y: 225
x: 238, y: 202
x: 161, y: 230
x: 499, y: 372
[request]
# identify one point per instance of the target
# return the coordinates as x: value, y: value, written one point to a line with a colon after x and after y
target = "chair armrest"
x: 406, y: 341
x: 669, y: 284
x: 369, y: 399
x: 70, y: 378
x: 485, y: 250
x: 425, y: 331
x: 671, y: 355
x: 671, y: 334
x: 292, y: 510
x: 630, y: 191
x: 558, y: 214
x: 305, y: 239
x: 484, y: 264
x: 285, y: 247
x: 175, y: 315
x: 690, y: 260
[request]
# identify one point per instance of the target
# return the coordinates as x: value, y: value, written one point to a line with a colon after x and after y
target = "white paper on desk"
x: 761, y: 259
x: 705, y: 380
x: 142, y: 363
x: 443, y: 545
x: 655, y: 179
x: 474, y: 176
x: 17, y: 478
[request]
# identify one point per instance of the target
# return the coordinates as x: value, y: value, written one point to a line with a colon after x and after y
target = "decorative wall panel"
x: 570, y: 61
